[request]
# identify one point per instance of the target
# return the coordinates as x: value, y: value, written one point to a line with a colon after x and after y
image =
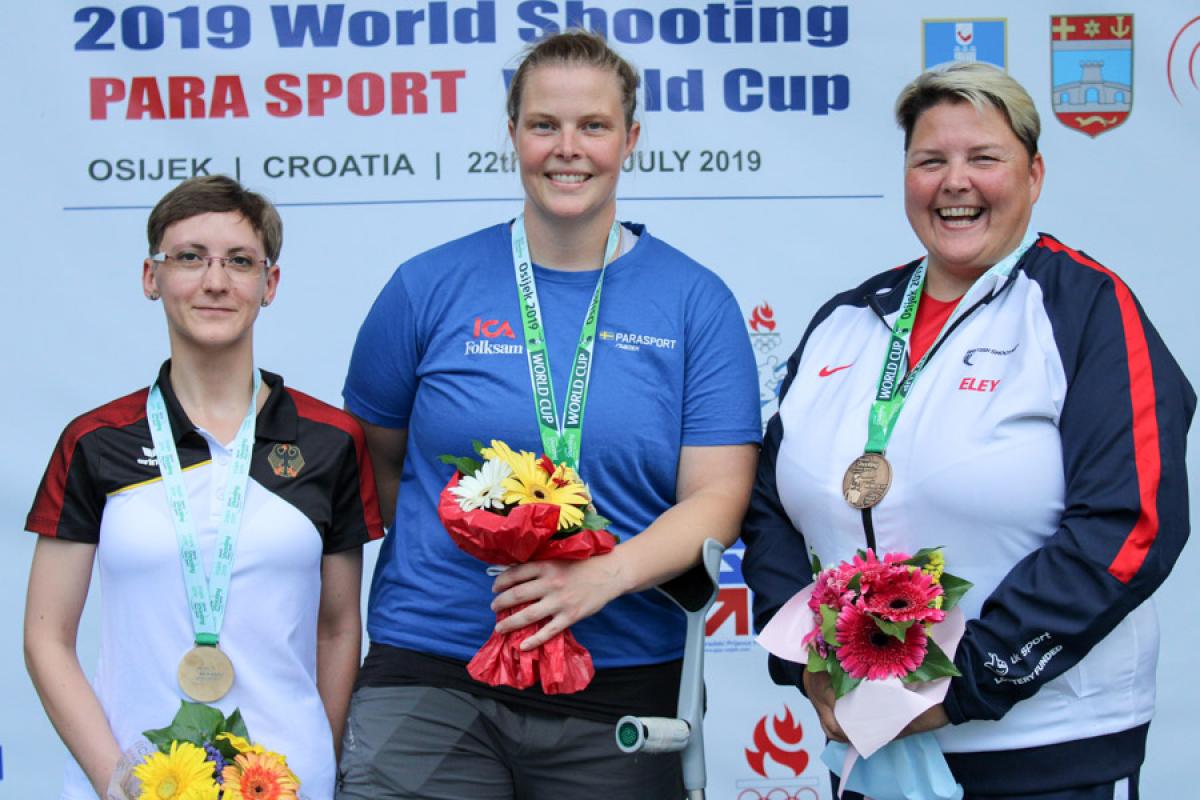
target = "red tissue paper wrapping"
x: 527, y: 533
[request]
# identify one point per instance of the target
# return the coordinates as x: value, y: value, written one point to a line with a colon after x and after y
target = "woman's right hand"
x: 819, y: 689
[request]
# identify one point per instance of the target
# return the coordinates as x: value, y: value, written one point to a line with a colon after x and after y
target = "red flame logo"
x: 788, y: 731
x: 763, y: 318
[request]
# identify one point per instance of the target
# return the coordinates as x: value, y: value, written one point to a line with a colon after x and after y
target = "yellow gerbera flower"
x: 535, y: 486
x: 504, y: 453
x: 240, y: 744
x: 184, y: 773
x: 259, y: 776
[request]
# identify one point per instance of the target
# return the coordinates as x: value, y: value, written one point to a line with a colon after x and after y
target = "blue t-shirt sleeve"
x: 720, y: 403
x: 382, y: 379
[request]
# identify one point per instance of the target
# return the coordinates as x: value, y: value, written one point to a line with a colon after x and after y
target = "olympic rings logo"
x: 780, y: 793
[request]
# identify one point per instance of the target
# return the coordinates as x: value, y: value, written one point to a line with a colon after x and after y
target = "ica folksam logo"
x: 1183, y: 63
x: 1091, y: 66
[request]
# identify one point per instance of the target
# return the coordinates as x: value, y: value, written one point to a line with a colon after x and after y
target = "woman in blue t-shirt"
x: 668, y: 451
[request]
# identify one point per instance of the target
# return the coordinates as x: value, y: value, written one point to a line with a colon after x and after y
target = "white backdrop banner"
x: 768, y: 153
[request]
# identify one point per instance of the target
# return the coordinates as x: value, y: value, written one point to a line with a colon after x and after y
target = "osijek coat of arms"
x: 1091, y: 70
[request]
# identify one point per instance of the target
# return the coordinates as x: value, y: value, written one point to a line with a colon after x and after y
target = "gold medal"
x: 205, y: 674
x: 867, y: 480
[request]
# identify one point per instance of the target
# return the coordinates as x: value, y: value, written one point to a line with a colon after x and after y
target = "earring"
x: 153, y: 296
x: 266, y: 303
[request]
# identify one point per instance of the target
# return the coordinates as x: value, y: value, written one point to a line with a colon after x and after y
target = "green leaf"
x: 467, y: 466
x: 236, y: 725
x: 935, y: 665
x: 816, y: 662
x: 829, y: 625
x: 194, y: 722
x: 816, y: 565
x: 922, y: 556
x: 160, y: 738
x: 478, y: 447
x: 843, y: 684
x: 593, y: 521
x: 855, y: 583
x: 897, y: 630
x: 954, y: 588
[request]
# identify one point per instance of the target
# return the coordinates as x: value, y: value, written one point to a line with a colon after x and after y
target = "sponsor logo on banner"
x: 1183, y: 63
x: 727, y: 629
x: 1091, y: 70
x: 778, y: 757
x: 772, y: 365
x: 948, y: 41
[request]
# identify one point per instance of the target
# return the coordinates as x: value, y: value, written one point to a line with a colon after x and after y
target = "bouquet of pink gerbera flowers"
x: 872, y: 619
x: 885, y: 630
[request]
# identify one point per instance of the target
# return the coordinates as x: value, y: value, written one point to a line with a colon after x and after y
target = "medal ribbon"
x: 207, y: 596
x: 562, y: 437
x: 892, y: 390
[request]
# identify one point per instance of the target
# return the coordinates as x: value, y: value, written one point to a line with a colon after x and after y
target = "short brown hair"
x: 216, y: 194
x: 976, y: 83
x: 579, y: 47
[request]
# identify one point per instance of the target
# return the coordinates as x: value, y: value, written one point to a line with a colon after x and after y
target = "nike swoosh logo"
x: 827, y: 371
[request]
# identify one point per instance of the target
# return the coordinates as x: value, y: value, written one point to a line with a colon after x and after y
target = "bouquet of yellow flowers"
x: 511, y: 508
x: 204, y: 755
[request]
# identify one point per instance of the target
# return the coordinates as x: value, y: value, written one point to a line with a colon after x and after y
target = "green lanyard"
x: 561, y: 437
x: 207, y: 597
x: 892, y: 390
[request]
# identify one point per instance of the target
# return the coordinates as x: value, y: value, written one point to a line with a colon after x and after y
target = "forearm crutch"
x: 694, y: 591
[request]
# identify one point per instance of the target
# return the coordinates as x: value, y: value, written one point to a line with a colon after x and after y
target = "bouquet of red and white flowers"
x: 511, y: 508
x: 885, y: 631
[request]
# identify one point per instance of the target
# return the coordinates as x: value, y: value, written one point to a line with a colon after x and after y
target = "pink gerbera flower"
x: 830, y: 590
x: 867, y: 652
x: 901, y: 595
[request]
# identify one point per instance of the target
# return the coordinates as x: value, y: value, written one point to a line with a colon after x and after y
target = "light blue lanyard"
x: 207, y: 597
x: 562, y: 437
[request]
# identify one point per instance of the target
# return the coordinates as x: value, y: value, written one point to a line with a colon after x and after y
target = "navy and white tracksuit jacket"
x: 1043, y: 447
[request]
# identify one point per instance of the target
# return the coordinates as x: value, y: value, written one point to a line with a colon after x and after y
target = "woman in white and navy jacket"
x: 1041, y: 443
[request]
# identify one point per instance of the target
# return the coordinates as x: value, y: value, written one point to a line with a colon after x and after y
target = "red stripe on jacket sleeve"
x: 1146, y: 455
x: 46, y: 514
x: 314, y: 409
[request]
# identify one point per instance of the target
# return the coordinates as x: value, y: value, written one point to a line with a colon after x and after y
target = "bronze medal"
x: 205, y: 674
x: 867, y: 480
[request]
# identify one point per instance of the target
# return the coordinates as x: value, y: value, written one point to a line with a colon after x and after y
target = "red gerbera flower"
x: 902, y: 595
x: 867, y: 652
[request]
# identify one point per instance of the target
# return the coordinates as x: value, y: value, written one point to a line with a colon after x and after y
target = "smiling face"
x: 211, y: 307
x: 571, y: 138
x: 969, y: 190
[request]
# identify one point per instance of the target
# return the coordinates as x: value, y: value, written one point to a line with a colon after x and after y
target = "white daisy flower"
x: 483, y: 489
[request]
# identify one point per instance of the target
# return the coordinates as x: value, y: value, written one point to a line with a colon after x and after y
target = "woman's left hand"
x: 560, y: 593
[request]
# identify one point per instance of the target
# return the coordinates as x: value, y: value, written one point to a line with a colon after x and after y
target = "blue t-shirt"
x: 441, y: 354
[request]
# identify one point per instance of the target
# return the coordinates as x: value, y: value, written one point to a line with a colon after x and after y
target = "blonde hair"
x: 973, y: 82
x: 579, y: 47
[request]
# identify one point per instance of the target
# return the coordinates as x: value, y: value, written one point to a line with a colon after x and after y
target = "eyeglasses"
x: 195, y: 263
